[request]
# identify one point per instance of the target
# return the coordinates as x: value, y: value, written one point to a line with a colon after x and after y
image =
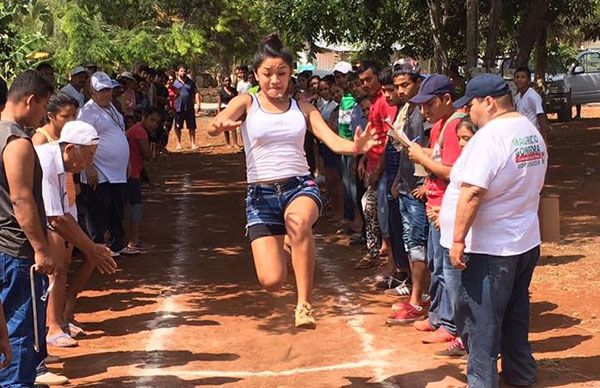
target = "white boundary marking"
x: 373, y: 358
x: 345, y: 302
x: 169, y: 304
x: 266, y: 373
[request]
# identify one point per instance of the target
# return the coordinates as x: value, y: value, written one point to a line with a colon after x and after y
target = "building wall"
x: 327, y: 60
x: 590, y: 44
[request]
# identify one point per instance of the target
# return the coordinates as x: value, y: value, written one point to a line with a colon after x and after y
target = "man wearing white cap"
x: 342, y: 72
x: 104, y: 181
x: 79, y: 79
x: 71, y: 154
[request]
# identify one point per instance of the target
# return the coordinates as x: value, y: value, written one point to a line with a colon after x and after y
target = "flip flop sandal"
x: 365, y: 262
x: 62, y: 340
x: 74, y: 330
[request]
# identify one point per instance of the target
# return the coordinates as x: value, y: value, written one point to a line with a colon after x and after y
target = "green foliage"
x: 22, y: 38
x: 82, y: 36
x: 379, y: 27
x: 122, y: 33
x: 218, y: 34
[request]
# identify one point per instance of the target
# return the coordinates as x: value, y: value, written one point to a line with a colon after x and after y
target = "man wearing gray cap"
x: 491, y: 235
x: 79, y: 79
x: 104, y: 182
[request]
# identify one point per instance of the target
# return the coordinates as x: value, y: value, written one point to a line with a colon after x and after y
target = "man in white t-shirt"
x: 490, y: 232
x: 241, y: 73
x: 79, y: 79
x: 104, y: 182
x: 529, y: 103
x: 59, y: 161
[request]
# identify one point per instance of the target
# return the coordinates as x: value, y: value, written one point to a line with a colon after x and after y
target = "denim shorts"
x: 266, y: 204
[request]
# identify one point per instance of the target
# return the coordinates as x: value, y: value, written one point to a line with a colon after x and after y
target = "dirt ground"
x: 189, y: 311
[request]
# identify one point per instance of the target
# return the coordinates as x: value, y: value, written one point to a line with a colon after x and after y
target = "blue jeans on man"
x: 491, y: 299
x: 15, y: 293
x: 441, y: 312
x: 414, y: 226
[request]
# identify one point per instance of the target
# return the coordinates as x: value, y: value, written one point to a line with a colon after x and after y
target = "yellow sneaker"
x: 304, y: 318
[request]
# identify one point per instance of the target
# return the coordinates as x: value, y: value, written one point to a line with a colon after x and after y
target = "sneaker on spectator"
x: 50, y: 378
x: 423, y: 325
x: 388, y: 282
x: 455, y: 349
x: 403, y: 290
x: 439, y: 336
x: 402, y: 305
x: 114, y: 254
x: 407, y: 315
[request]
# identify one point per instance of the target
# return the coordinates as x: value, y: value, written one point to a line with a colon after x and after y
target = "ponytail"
x: 272, y: 47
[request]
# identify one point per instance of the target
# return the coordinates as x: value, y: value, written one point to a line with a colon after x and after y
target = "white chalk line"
x: 170, y: 303
x: 345, y: 302
x: 373, y: 357
x: 248, y: 374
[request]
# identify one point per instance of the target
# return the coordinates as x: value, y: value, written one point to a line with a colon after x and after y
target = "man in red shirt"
x: 371, y: 166
x: 435, y: 98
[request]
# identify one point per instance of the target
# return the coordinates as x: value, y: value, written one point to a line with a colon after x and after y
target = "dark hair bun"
x: 272, y: 47
x: 272, y: 42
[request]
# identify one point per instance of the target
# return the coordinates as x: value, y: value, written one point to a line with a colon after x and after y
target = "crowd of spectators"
x: 72, y: 168
x: 450, y: 197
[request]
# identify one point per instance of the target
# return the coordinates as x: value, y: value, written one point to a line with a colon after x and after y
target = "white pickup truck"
x: 579, y: 85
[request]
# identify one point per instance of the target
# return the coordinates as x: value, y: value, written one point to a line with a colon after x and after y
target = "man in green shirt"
x: 342, y: 72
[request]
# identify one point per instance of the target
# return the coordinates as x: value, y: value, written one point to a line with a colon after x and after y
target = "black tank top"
x: 12, y: 238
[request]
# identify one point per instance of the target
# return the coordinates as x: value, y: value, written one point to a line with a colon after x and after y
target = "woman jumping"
x: 282, y: 199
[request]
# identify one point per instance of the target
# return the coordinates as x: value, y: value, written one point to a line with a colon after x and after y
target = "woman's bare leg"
x: 300, y: 216
x: 270, y: 263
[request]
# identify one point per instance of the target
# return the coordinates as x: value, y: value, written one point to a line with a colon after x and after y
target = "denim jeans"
x: 15, y: 293
x: 414, y: 226
x: 349, y: 183
x: 491, y: 299
x: 382, y: 208
x: 441, y: 311
x: 105, y: 206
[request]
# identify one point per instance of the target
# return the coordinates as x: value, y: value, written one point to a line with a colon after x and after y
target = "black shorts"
x: 188, y: 116
x: 134, y: 191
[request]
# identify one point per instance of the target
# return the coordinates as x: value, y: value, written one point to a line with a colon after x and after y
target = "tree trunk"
x: 530, y: 31
x: 541, y: 61
x: 472, y: 33
x: 491, y: 48
x: 439, y: 49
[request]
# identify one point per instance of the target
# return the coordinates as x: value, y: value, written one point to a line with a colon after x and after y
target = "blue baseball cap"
x: 482, y: 86
x: 433, y: 86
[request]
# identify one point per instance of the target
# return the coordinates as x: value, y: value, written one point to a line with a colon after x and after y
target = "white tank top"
x: 274, y: 143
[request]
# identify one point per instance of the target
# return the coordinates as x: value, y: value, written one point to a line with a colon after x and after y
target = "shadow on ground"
x: 97, y: 363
